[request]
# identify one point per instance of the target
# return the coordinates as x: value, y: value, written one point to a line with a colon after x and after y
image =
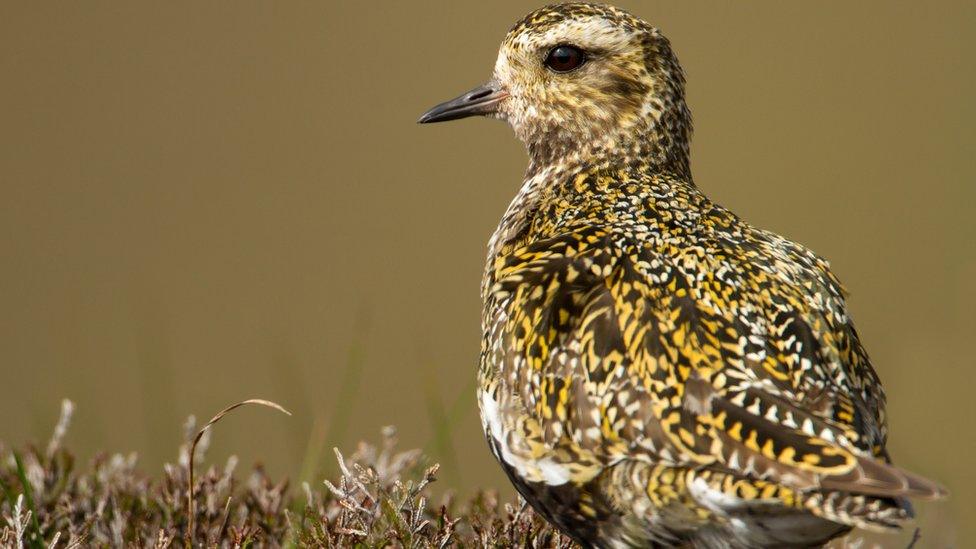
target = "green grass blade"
x: 35, y: 534
x: 441, y: 426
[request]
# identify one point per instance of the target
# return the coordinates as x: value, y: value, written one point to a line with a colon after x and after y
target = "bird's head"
x: 579, y: 79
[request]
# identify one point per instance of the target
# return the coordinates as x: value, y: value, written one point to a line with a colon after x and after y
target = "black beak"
x: 479, y: 101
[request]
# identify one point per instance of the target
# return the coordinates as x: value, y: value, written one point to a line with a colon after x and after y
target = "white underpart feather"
x: 541, y: 470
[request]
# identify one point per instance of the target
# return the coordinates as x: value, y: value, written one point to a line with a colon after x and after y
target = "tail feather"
x: 877, y: 478
x: 859, y: 510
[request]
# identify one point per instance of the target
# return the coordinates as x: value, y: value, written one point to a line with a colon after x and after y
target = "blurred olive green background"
x: 204, y: 202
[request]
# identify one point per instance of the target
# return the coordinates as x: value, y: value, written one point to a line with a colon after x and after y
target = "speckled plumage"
x: 654, y: 370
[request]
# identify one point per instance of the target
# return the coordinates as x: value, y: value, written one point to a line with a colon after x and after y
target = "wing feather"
x: 624, y: 349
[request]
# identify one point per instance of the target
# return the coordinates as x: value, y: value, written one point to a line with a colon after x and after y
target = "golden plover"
x: 654, y: 370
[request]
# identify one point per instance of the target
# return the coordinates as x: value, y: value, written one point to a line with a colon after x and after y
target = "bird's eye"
x: 565, y: 58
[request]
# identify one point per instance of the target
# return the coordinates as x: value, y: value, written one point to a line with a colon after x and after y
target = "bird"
x: 654, y: 370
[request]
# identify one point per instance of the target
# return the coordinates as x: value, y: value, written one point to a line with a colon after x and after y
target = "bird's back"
x: 654, y: 368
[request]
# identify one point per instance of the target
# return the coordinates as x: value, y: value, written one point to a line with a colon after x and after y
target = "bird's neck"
x: 553, y: 180
x: 607, y: 153
x: 657, y: 145
x: 646, y: 147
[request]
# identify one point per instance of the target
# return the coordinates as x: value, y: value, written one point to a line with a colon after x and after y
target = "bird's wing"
x: 695, y: 359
